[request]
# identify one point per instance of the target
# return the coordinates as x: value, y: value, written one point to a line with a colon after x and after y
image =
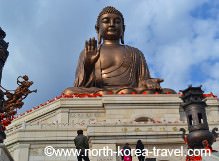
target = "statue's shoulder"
x: 133, y: 49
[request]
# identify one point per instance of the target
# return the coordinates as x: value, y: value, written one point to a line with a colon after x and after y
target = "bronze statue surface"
x: 109, y: 66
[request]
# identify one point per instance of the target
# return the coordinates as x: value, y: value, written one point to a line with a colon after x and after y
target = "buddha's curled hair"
x: 109, y: 9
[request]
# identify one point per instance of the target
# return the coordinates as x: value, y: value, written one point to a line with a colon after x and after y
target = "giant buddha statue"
x: 106, y: 65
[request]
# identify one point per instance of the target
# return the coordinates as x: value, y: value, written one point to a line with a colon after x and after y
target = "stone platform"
x: 4, y: 154
x: 111, y: 120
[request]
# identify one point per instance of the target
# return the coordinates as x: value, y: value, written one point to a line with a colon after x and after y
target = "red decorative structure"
x: 12, y: 101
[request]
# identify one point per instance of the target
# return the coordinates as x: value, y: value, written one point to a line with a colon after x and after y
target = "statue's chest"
x: 111, y: 58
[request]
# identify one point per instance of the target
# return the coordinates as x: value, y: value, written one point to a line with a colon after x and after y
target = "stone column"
x: 21, y: 152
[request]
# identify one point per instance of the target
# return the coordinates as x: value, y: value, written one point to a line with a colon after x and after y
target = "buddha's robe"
x: 134, y: 73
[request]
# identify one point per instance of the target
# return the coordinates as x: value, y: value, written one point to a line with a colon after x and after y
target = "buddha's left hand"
x: 153, y: 83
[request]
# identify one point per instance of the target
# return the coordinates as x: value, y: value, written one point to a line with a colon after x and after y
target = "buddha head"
x: 110, y: 25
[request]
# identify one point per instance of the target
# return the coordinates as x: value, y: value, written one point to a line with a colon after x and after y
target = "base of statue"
x: 4, y: 154
x: 109, y: 121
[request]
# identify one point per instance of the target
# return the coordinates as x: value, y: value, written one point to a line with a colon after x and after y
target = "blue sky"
x: 180, y: 40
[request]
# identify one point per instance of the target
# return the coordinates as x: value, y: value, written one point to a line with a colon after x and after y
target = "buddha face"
x: 110, y: 26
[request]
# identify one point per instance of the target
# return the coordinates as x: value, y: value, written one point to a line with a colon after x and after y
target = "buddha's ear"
x: 122, y: 36
x: 96, y: 28
x: 99, y: 36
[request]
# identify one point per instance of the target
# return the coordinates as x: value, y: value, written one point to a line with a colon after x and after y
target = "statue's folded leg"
x: 121, y: 90
x: 78, y: 90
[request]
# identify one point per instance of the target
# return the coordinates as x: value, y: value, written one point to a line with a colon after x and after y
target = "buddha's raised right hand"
x: 91, y: 52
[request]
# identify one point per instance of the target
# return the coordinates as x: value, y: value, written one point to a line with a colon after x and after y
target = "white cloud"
x: 176, y: 41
